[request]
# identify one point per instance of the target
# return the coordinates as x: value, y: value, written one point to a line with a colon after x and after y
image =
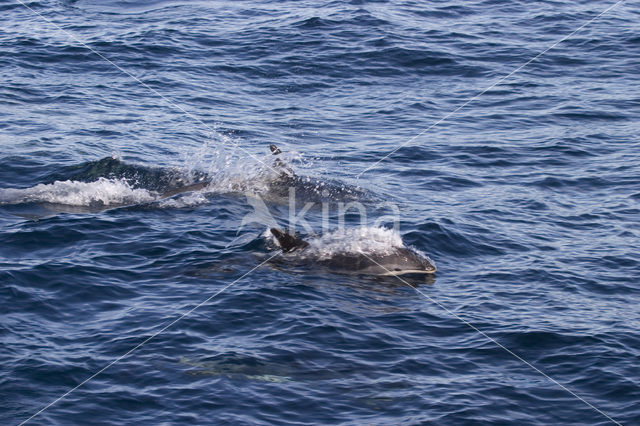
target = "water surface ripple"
x: 527, y: 199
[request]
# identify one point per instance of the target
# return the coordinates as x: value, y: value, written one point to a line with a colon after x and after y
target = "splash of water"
x: 105, y: 192
x: 364, y: 239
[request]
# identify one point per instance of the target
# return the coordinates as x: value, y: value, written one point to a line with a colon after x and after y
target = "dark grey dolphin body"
x: 308, y: 188
x: 187, y: 188
x: 274, y: 183
x: 395, y: 261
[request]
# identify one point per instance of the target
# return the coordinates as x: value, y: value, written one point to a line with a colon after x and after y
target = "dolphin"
x: 236, y: 369
x: 198, y: 186
x: 166, y: 183
x: 392, y: 262
x: 162, y: 183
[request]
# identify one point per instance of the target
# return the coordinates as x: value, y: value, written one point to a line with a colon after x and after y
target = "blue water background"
x: 528, y: 200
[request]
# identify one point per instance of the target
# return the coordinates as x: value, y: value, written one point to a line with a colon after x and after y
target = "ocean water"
x: 124, y: 300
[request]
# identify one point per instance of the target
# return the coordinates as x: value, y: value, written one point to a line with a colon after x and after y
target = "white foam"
x: 365, y: 239
x: 231, y: 170
x: 107, y: 192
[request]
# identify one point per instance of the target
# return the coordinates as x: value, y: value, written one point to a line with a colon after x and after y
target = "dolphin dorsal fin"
x: 288, y: 242
x: 279, y: 164
x: 274, y: 149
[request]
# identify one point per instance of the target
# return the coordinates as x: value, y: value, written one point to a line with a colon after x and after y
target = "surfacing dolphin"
x: 391, y: 262
x: 108, y: 183
x: 166, y: 183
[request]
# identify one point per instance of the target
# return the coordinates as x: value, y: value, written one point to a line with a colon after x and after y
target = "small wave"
x: 103, y: 192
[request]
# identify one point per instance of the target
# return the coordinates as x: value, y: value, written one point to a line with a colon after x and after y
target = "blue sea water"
x: 527, y: 199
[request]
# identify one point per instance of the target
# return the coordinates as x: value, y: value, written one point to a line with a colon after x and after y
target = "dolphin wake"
x: 102, y: 192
